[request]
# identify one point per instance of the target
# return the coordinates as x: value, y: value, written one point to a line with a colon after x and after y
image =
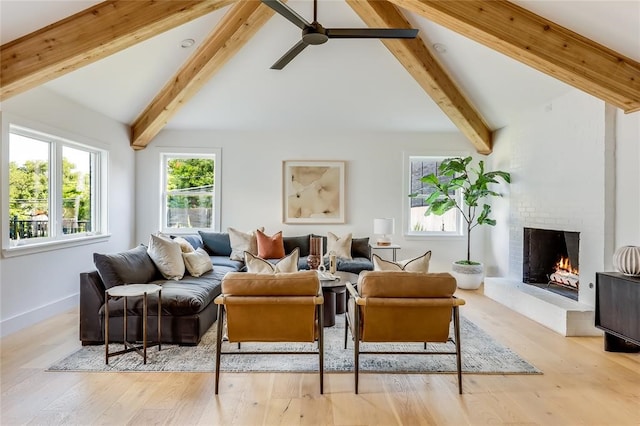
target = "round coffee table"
x: 334, y: 292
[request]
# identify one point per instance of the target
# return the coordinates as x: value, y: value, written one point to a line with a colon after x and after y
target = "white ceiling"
x: 344, y: 84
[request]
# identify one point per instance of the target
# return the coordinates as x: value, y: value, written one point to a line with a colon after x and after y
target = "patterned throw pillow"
x: 270, y: 247
x: 340, y: 246
x: 197, y: 262
x: 167, y: 256
x: 417, y: 264
x: 241, y: 242
x: 258, y: 265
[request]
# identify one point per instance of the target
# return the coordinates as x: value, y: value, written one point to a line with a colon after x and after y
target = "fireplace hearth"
x: 551, y: 260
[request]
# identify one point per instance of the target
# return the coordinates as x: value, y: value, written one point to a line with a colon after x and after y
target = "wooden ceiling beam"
x: 541, y: 44
x: 238, y: 25
x: 427, y: 71
x: 88, y: 36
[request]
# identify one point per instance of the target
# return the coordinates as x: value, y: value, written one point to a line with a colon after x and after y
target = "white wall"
x: 558, y: 155
x: 36, y: 286
x: 252, y: 181
x: 627, y: 218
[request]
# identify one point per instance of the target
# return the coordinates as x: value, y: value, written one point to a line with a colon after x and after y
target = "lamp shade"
x: 383, y: 226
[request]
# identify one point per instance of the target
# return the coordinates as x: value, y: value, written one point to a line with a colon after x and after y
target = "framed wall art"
x: 313, y: 191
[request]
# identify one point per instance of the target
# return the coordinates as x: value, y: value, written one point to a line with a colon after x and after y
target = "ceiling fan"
x: 314, y: 33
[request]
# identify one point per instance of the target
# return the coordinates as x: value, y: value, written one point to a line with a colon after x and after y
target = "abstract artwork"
x: 313, y: 191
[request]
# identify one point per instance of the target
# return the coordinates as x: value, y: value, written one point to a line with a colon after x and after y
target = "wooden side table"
x: 126, y: 291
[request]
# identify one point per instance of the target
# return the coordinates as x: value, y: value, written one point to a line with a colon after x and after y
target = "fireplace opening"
x: 551, y: 260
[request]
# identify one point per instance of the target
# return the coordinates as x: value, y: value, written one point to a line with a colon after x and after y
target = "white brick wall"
x: 556, y: 155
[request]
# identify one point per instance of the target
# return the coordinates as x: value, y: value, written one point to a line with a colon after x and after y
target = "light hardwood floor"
x: 581, y: 384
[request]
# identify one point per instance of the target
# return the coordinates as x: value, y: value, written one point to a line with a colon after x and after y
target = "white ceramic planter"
x: 627, y: 260
x: 468, y: 277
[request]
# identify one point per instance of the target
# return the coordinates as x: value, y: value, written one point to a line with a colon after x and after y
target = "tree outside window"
x: 419, y: 224
x: 189, y: 189
x: 39, y: 166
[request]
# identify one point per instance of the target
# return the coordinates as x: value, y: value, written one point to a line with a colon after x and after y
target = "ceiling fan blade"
x: 288, y: 13
x: 288, y: 57
x: 371, y: 32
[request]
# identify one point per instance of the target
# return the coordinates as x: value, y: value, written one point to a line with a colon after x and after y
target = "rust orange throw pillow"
x: 270, y: 247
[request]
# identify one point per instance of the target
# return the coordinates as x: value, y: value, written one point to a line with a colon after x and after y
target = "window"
x: 54, y: 191
x: 417, y: 223
x: 190, y: 195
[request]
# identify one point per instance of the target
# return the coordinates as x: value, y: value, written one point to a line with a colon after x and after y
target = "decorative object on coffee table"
x: 627, y: 260
x: 315, y: 252
x: 313, y: 192
x: 383, y: 227
x: 441, y: 195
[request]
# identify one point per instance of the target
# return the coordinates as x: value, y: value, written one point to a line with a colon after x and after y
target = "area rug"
x: 481, y: 354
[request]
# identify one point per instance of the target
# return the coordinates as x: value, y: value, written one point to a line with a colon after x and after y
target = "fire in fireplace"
x: 551, y: 260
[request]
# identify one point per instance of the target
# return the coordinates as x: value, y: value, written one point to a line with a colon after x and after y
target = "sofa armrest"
x: 91, y: 301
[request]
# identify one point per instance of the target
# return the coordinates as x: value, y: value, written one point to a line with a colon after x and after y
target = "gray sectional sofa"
x: 187, y: 305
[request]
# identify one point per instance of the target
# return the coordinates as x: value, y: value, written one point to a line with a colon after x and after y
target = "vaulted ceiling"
x: 119, y: 57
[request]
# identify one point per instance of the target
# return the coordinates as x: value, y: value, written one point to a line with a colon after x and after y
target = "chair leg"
x: 346, y: 328
x: 321, y: 345
x: 356, y: 346
x: 218, y: 346
x: 456, y: 327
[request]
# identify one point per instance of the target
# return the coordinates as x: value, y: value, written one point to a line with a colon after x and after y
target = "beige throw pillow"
x: 185, y: 245
x: 167, y: 256
x: 417, y: 264
x: 197, y: 262
x: 258, y: 265
x: 340, y: 246
x: 241, y: 242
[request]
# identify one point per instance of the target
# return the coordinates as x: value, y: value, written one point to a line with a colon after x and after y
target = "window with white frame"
x: 54, y: 188
x: 417, y: 223
x: 190, y: 195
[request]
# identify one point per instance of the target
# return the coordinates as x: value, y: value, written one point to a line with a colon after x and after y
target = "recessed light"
x: 187, y: 43
x: 440, y: 48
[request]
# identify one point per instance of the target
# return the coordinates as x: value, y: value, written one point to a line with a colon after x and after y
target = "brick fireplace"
x: 561, y: 159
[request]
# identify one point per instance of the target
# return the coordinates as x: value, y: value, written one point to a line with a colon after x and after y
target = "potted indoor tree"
x: 456, y: 174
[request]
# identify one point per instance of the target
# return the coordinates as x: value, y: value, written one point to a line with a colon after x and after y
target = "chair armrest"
x: 352, y: 290
x: 458, y: 302
x: 354, y: 293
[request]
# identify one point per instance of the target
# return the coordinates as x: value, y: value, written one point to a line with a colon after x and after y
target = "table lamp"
x: 383, y: 227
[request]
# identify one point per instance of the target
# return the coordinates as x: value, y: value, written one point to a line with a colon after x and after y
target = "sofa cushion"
x: 270, y: 247
x: 355, y: 265
x: 223, y: 263
x: 241, y: 242
x: 197, y: 262
x: 188, y: 296
x: 258, y: 265
x: 302, y: 242
x: 129, y: 267
x: 167, y: 256
x: 216, y: 243
x: 360, y: 248
x: 416, y: 264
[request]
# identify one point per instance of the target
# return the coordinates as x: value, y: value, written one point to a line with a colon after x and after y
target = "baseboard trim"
x: 34, y: 316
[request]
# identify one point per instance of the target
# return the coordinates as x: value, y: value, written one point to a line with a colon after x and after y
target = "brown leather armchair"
x: 284, y: 307
x: 403, y: 307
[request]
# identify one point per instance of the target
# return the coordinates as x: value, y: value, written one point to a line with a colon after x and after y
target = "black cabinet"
x: 618, y: 311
